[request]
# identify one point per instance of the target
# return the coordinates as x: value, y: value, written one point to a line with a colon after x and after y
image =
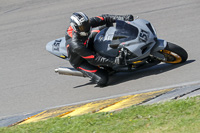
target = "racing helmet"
x: 80, y: 23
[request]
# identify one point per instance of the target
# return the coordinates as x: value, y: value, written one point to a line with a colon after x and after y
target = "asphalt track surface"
x: 27, y: 79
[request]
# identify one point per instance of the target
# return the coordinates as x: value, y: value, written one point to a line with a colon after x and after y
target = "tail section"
x: 58, y: 48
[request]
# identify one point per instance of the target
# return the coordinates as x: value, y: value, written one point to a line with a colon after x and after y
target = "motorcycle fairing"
x: 137, y: 36
x: 102, y: 42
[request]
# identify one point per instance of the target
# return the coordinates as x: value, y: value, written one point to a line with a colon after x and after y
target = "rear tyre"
x: 174, y: 54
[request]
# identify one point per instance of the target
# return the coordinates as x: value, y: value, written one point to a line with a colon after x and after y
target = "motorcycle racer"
x: 79, y: 40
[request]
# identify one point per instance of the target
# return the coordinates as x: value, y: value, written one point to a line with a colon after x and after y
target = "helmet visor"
x: 85, y: 27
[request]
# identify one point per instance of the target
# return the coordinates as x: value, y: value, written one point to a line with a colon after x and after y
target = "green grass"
x: 177, y: 116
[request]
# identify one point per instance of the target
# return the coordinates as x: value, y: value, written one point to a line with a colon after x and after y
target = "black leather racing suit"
x: 83, y: 58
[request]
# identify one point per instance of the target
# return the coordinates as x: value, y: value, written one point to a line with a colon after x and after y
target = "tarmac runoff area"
x: 107, y: 104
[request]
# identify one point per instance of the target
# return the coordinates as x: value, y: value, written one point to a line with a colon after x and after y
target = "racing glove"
x: 102, y: 61
x: 112, y: 18
x: 128, y: 17
x: 109, y: 61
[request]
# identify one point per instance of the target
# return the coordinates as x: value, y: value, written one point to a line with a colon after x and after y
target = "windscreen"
x: 125, y: 32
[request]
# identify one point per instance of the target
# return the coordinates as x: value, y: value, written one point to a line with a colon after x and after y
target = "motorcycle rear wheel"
x: 174, y: 54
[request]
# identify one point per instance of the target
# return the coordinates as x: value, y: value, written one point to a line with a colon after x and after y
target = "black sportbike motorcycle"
x: 134, y: 42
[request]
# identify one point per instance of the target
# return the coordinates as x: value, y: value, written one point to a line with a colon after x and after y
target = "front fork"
x: 156, y: 50
x: 155, y: 53
x: 121, y: 58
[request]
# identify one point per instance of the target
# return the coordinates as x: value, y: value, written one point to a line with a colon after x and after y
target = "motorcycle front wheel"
x: 174, y: 54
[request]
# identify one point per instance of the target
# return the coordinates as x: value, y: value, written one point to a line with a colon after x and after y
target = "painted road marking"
x: 134, y: 100
x: 57, y: 112
x: 95, y: 107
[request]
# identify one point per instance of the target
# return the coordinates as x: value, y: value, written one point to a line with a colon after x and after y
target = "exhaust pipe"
x: 68, y: 71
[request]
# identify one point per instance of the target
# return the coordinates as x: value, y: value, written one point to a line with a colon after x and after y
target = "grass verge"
x: 173, y: 116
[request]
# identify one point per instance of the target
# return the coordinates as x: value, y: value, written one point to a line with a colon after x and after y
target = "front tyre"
x: 174, y: 54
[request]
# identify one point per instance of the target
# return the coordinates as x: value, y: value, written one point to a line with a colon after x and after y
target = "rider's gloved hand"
x: 113, y: 18
x: 128, y: 17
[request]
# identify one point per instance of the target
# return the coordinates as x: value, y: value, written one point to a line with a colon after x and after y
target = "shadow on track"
x: 126, y: 76
x: 160, y: 68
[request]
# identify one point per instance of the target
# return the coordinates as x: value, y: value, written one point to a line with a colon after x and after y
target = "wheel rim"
x: 171, y: 57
